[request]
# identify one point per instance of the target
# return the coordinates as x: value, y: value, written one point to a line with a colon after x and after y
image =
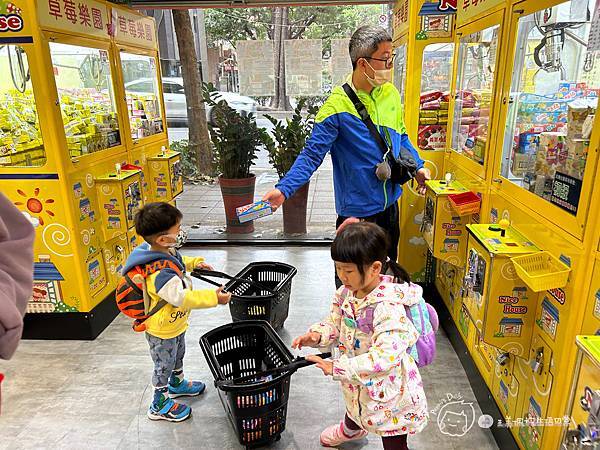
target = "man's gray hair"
x: 365, y: 40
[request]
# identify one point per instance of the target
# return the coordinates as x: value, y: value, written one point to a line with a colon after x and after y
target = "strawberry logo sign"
x: 10, y: 18
x: 447, y: 5
x: 10, y: 22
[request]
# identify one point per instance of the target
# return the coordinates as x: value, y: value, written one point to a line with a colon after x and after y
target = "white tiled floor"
x: 88, y: 395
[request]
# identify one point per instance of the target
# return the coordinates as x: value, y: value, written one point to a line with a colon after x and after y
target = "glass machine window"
x: 85, y: 91
x: 554, y: 95
x: 141, y: 87
x: 21, y: 142
x: 400, y: 71
x: 435, y: 95
x: 475, y: 80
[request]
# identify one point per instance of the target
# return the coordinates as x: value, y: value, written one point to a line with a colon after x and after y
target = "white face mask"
x: 381, y: 76
x: 179, y: 239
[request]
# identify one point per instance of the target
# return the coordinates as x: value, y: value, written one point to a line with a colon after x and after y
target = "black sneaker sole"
x: 168, y: 419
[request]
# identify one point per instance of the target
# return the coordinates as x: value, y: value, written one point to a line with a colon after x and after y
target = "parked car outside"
x: 175, y: 104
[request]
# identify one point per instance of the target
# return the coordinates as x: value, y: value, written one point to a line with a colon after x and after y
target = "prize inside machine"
x: 87, y: 100
x: 21, y: 143
x: 553, y: 100
x: 583, y: 414
x: 475, y: 80
x: 142, y: 94
x: 435, y: 96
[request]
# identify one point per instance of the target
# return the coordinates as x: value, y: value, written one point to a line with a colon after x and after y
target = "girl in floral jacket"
x: 380, y: 381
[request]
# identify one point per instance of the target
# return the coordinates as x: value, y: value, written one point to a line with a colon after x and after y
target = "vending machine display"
x: 552, y: 105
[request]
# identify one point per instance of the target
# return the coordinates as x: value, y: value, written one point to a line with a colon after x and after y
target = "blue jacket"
x: 338, y: 129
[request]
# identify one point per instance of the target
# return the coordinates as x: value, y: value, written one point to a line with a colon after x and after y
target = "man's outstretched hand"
x: 275, y: 197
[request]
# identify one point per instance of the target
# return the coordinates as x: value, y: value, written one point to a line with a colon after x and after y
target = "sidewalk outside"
x: 203, y: 212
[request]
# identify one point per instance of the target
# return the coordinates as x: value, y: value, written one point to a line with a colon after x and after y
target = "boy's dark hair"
x: 362, y: 244
x: 155, y: 219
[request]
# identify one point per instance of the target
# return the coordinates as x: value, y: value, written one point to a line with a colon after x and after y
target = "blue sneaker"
x: 186, y: 389
x: 169, y: 410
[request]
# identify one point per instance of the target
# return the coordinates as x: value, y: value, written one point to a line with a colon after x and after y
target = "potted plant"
x: 290, y: 138
x: 235, y: 139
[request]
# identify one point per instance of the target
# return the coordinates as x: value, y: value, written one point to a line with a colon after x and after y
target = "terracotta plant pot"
x: 237, y: 192
x: 294, y: 212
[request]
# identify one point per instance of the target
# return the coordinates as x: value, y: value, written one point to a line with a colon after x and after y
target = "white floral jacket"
x: 381, y: 383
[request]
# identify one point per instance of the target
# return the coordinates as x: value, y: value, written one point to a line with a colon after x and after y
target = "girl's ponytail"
x: 399, y: 273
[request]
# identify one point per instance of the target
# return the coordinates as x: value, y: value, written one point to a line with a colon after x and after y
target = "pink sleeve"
x: 16, y: 274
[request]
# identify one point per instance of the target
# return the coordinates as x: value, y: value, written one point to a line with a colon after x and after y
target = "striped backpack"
x: 131, y: 294
x: 425, y: 319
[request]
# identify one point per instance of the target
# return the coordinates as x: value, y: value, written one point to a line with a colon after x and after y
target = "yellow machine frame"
x: 572, y: 238
x: 72, y: 242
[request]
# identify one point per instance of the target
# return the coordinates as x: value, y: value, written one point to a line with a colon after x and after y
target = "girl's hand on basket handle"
x: 325, y: 366
x: 223, y: 297
x: 310, y: 339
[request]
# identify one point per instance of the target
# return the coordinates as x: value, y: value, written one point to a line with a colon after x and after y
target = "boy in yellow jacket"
x: 160, y: 226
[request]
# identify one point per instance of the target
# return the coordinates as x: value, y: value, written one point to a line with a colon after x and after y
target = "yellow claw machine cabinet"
x: 542, y: 181
x: 66, y: 158
x: 478, y: 64
x: 524, y: 135
x: 423, y: 35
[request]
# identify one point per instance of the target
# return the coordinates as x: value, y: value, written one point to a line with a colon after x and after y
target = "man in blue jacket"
x: 355, y: 153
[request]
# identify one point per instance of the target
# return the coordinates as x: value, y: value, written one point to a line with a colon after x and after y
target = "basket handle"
x: 291, y: 367
x: 202, y: 274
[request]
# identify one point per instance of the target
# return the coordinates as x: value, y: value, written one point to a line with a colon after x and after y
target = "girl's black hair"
x: 362, y: 244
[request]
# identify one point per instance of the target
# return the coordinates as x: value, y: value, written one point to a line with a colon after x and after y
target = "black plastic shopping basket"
x: 260, y: 291
x: 252, y: 368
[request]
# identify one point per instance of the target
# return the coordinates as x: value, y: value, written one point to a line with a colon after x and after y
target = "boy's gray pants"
x: 167, y: 355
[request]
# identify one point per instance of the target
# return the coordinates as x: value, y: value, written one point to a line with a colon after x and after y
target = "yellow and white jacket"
x: 166, y: 284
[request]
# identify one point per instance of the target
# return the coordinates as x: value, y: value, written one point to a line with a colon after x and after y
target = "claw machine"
x: 67, y: 158
x: 543, y: 180
x: 423, y: 40
x: 138, y: 64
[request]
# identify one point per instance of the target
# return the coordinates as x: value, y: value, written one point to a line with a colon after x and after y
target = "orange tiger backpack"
x: 131, y: 294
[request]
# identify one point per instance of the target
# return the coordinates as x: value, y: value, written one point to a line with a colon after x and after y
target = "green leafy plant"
x: 290, y: 137
x: 189, y: 164
x: 235, y: 138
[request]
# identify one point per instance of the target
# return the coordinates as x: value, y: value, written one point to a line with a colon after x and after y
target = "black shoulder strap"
x: 364, y: 115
